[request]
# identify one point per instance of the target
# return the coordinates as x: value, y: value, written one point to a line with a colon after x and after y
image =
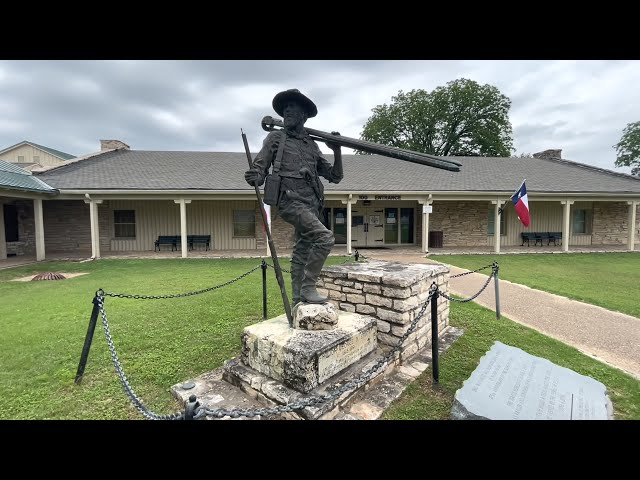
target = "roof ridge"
x: 71, y: 162
x: 587, y: 166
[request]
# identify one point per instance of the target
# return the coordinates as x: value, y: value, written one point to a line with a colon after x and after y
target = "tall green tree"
x: 462, y: 118
x: 628, y: 148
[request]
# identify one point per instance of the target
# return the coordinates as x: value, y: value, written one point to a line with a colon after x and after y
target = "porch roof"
x: 13, y: 177
x: 223, y: 171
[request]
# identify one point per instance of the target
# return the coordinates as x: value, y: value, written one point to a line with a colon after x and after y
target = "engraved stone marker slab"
x: 510, y: 384
x: 303, y: 359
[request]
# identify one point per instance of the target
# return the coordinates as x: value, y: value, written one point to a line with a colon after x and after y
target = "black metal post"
x: 495, y: 275
x: 434, y: 334
x: 87, y: 340
x: 190, y: 408
x: 264, y: 289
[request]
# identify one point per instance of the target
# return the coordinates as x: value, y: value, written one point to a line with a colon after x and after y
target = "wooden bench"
x: 172, y: 240
x: 204, y: 239
x: 540, y: 236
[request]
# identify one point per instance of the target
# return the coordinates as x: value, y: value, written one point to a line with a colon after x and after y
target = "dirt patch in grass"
x: 66, y: 275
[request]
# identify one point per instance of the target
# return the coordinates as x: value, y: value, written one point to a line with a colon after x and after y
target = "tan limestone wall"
x: 610, y: 223
x: 464, y: 223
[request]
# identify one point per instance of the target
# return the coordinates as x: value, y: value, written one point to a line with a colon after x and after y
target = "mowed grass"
x: 159, y: 342
x: 163, y: 342
x: 610, y: 280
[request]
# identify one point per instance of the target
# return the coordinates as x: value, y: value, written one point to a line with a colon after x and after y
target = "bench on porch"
x: 204, y: 239
x: 540, y: 236
x: 175, y: 240
x: 172, y: 240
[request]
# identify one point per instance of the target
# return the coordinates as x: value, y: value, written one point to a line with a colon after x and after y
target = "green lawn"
x: 163, y: 342
x: 159, y: 342
x: 610, y: 280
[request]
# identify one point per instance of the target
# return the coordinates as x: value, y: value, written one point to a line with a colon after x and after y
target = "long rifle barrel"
x: 269, y: 123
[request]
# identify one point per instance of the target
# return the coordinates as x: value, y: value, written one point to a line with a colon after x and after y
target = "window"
x: 492, y: 222
x: 581, y: 221
x: 36, y: 158
x: 244, y: 223
x: 10, y: 223
x: 124, y: 223
x: 20, y: 158
x: 390, y: 225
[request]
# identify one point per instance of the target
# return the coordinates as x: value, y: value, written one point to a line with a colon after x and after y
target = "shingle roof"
x: 156, y: 170
x: 56, y: 153
x: 12, y: 177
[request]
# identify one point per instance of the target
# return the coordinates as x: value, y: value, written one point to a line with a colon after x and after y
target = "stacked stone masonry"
x: 394, y: 294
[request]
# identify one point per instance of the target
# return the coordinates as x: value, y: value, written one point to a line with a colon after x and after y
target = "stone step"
x: 304, y: 359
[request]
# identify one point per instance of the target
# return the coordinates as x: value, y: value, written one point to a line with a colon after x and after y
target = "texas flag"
x: 521, y: 203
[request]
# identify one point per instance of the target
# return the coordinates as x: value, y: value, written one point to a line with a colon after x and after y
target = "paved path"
x: 611, y: 337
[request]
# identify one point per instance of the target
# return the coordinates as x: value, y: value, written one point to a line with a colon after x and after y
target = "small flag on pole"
x: 521, y: 202
x: 267, y: 210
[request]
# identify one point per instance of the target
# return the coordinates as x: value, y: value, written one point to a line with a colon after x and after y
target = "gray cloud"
x: 580, y: 107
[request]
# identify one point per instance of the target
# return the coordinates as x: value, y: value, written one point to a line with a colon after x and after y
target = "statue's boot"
x: 308, y: 292
x: 297, y: 274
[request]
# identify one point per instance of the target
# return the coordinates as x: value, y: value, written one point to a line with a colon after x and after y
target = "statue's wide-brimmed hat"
x: 282, y: 98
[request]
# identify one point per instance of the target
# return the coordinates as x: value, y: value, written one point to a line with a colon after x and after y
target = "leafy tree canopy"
x: 628, y: 148
x: 462, y: 118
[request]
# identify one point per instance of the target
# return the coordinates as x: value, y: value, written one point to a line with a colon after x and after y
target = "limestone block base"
x: 303, y: 359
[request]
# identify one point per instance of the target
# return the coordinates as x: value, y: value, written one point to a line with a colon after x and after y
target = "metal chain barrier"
x: 196, y: 411
x: 473, y: 271
x: 154, y: 297
x: 123, y: 379
x: 494, y: 266
x: 100, y: 294
x: 283, y: 269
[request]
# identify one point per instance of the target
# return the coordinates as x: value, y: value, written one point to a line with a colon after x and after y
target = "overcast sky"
x: 580, y: 106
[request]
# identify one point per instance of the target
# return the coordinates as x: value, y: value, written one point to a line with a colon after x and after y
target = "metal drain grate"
x: 48, y: 276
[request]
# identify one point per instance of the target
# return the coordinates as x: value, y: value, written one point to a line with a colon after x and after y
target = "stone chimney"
x: 112, y: 144
x: 551, y: 153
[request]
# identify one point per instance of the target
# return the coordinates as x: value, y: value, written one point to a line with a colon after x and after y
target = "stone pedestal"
x: 393, y: 294
x: 303, y: 359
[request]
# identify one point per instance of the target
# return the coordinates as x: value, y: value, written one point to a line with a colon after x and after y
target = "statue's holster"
x: 272, y: 189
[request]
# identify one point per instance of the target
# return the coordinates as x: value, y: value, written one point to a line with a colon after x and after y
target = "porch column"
x: 183, y: 225
x: 95, y: 229
x: 496, y: 229
x: 349, y: 201
x: 632, y: 224
x: 3, y: 243
x: 426, y: 210
x: 565, y: 229
x: 37, y: 213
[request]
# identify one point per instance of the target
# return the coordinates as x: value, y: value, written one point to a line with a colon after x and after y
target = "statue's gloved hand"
x: 253, y: 177
x: 333, y: 146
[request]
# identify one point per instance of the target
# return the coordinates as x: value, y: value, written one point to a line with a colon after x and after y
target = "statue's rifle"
x: 270, y: 124
x: 272, y: 248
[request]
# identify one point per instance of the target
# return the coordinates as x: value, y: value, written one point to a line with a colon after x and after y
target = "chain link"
x: 123, y: 379
x: 283, y: 269
x: 155, y: 297
x: 495, y: 271
x: 473, y: 271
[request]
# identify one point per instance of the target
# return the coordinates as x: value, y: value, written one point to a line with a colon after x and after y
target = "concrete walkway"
x: 611, y: 337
